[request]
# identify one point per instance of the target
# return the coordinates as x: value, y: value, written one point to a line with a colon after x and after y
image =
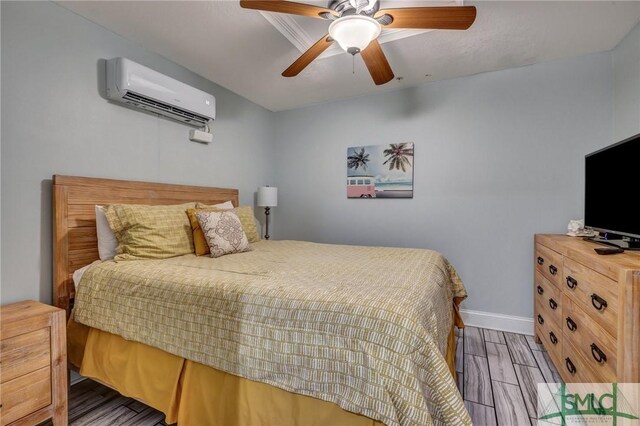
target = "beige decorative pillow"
x: 199, y: 241
x: 223, y: 232
x: 245, y: 213
x: 150, y: 232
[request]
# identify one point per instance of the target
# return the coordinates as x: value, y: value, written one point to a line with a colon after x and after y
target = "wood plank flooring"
x: 501, y: 372
x: 497, y: 376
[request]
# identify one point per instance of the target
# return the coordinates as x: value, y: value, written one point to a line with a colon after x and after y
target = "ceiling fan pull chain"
x: 353, y: 64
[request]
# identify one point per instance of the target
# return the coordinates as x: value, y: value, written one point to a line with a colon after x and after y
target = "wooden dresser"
x: 33, y: 364
x: 587, y: 309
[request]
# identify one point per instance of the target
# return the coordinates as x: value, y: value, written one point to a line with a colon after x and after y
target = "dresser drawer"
x: 597, y: 347
x: 25, y: 394
x: 572, y: 366
x: 549, y: 263
x: 549, y: 332
x: 596, y: 294
x: 549, y: 296
x: 24, y: 353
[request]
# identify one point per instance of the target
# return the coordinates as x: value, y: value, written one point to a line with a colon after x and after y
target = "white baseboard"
x: 513, y: 324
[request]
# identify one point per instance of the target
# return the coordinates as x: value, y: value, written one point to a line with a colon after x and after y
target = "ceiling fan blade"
x: 282, y: 6
x: 308, y: 56
x: 377, y: 63
x: 438, y: 18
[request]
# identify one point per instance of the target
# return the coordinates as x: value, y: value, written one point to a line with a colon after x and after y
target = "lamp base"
x: 266, y: 222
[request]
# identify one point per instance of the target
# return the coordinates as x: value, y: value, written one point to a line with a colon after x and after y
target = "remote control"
x: 608, y: 250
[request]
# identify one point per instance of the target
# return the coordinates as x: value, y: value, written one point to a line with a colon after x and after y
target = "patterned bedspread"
x: 364, y: 327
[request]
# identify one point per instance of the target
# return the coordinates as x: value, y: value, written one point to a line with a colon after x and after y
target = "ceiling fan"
x: 356, y: 25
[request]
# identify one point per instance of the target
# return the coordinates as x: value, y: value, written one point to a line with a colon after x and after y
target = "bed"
x: 289, y: 333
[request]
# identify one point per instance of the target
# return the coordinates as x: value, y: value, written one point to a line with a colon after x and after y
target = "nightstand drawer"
x: 25, y: 395
x: 549, y: 263
x: 24, y: 353
x: 33, y: 361
x: 596, y: 294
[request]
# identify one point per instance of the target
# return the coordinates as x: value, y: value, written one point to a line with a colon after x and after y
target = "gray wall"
x: 626, y: 106
x: 55, y: 122
x: 498, y: 158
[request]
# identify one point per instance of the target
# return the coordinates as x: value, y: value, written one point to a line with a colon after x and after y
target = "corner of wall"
x: 626, y: 86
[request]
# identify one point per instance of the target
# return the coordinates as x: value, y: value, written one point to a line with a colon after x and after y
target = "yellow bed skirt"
x: 193, y: 394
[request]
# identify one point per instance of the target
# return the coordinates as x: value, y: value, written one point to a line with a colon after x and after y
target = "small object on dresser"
x: 576, y: 229
x: 608, y: 250
x: 33, y: 354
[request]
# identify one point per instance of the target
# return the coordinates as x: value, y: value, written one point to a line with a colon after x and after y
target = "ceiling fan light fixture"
x: 354, y: 32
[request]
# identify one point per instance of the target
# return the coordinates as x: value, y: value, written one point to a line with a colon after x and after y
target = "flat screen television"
x: 612, y: 193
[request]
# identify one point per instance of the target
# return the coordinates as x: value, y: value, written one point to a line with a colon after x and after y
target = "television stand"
x: 616, y: 241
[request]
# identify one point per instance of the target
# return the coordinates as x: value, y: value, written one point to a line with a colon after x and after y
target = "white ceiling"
x: 242, y: 51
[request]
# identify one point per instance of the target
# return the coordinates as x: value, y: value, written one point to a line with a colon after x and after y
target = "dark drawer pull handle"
x: 571, y: 325
x: 553, y: 304
x: 553, y: 270
x: 553, y: 338
x: 597, y: 354
x: 570, y: 367
x: 540, y: 319
x: 598, y: 302
x: 572, y: 283
x: 540, y: 290
x: 540, y: 260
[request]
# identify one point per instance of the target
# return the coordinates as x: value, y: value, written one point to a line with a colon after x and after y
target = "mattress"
x: 363, y: 327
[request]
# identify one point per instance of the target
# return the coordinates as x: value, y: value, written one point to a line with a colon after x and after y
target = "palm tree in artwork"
x: 358, y: 159
x: 398, y: 154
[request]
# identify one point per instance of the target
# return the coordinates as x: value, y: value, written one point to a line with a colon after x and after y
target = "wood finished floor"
x: 497, y: 376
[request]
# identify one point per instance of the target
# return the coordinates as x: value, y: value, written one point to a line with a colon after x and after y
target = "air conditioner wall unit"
x: 141, y: 87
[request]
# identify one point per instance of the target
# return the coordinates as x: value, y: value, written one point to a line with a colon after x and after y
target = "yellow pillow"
x: 150, y: 232
x: 199, y: 241
x: 245, y: 213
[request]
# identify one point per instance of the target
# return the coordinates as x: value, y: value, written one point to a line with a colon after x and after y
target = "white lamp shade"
x: 267, y: 196
x: 354, y: 31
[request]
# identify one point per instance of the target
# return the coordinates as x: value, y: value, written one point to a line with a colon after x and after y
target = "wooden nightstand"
x: 33, y: 364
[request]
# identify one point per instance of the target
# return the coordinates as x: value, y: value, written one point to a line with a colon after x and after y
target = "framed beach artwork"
x: 380, y: 171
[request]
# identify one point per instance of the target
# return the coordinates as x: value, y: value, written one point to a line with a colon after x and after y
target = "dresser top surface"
x: 576, y: 247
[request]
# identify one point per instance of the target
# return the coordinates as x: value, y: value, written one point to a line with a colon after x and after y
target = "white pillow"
x: 227, y: 205
x: 107, y: 242
x: 78, y: 273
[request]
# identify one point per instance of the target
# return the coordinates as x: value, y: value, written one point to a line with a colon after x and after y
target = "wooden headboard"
x: 75, y: 242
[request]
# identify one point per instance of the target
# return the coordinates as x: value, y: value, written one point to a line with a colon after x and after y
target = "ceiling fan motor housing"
x: 349, y: 7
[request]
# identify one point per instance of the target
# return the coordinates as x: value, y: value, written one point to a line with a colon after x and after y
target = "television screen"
x: 612, y: 188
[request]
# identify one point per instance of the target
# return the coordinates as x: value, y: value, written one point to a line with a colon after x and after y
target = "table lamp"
x: 267, y: 198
